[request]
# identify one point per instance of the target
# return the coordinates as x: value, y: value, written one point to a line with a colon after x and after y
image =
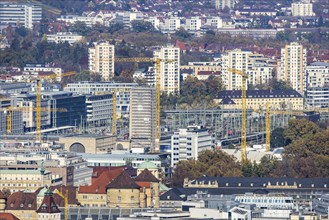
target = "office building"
x: 292, y: 66
x: 101, y: 60
x: 75, y: 106
x: 62, y: 37
x: 317, y: 74
x: 99, y: 110
x: 301, y: 9
x: 317, y: 97
x: 221, y: 4
x: 235, y: 59
x: 15, y: 14
x: 142, y: 123
x: 169, y: 72
x: 94, y: 88
x: 257, y: 99
x: 188, y: 143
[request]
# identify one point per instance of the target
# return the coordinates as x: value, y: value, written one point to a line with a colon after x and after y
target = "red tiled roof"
x: 72, y: 195
x: 7, y: 216
x: 101, y: 177
x: 123, y: 181
x: 146, y: 176
x: 180, y: 45
x: 22, y: 201
x: 48, y: 204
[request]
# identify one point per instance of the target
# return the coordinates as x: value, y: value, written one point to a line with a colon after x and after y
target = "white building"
x: 188, y: 143
x: 292, y: 66
x: 169, y: 71
x: 170, y: 25
x: 101, y: 60
x: 193, y: 24
x: 62, y: 37
x: 99, y: 110
x: 215, y: 22
x: 221, y: 4
x: 260, y: 70
x: 88, y: 20
x: 142, y: 123
x: 317, y: 74
x: 301, y: 9
x: 35, y: 68
x: 127, y: 17
x: 155, y: 22
x: 317, y: 97
x: 235, y: 59
x: 266, y: 201
x: 14, y: 14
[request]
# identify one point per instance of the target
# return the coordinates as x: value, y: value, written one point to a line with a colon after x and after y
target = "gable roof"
x: 72, y: 195
x: 101, y: 177
x: 22, y: 201
x: 48, y: 204
x: 146, y: 176
x: 123, y: 181
x: 173, y: 195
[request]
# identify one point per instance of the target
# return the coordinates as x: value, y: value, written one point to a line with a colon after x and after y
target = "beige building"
x: 101, y: 60
x: 169, y: 72
x: 93, y: 144
x: 301, y: 9
x: 257, y: 99
x: 292, y: 66
x: 20, y: 180
x: 200, y: 68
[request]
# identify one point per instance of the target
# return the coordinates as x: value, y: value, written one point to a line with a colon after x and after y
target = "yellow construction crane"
x: 38, y: 101
x: 66, y: 202
x: 11, y: 109
x: 268, y: 122
x: 243, y: 111
x: 157, y: 62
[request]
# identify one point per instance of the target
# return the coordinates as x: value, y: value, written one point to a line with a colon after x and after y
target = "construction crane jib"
x: 244, y: 112
x: 157, y: 62
x: 66, y: 202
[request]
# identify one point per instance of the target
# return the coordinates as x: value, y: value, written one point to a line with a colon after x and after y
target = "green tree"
x: 277, y: 138
x: 182, y: 34
x: 142, y: 26
x: 300, y: 129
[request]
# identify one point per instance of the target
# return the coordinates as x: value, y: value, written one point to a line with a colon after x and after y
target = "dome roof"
x: 147, y: 165
x: 42, y: 192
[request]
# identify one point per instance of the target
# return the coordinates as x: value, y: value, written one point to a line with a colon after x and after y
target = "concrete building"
x: 215, y: 22
x: 317, y: 74
x: 94, y: 88
x: 17, y: 125
x: 302, y: 9
x: 62, y: 37
x: 94, y: 144
x: 235, y: 59
x: 221, y: 4
x: 142, y: 123
x: 14, y: 14
x: 257, y: 99
x: 317, y: 97
x: 101, y: 60
x: 199, y: 68
x: 35, y: 68
x: 20, y: 180
x: 292, y: 66
x: 99, y: 110
x: 193, y: 24
x: 170, y: 25
x: 169, y: 72
x: 14, y: 88
x: 188, y: 143
x: 260, y: 70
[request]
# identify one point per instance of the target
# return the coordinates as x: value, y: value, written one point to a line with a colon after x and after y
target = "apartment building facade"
x: 221, y: 4
x: 292, y: 66
x: 99, y: 110
x: 14, y: 14
x: 302, y: 9
x: 62, y: 37
x: 169, y: 71
x: 189, y: 142
x: 317, y: 74
x: 101, y: 60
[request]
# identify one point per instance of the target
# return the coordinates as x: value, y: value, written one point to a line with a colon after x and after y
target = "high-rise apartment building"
x: 188, y: 143
x: 301, y: 9
x: 292, y: 66
x: 101, y: 60
x: 169, y: 71
x: 221, y: 4
x: 235, y: 59
x: 14, y: 14
x: 142, y: 123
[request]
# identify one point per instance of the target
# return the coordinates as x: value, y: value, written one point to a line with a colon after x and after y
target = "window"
x: 119, y: 198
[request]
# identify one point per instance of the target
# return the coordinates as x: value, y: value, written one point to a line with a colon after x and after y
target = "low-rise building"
x: 257, y: 99
x: 188, y: 143
x: 62, y: 37
x: 317, y: 75
x: 302, y: 8
x: 317, y: 97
